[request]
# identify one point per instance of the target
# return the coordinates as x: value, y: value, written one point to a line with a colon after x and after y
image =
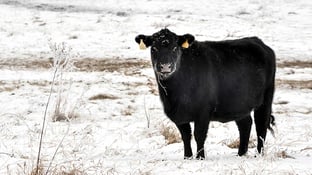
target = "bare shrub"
x: 62, y: 109
x: 66, y: 105
x: 170, y: 132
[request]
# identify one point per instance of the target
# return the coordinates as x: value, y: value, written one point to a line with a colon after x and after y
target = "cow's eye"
x: 154, y: 49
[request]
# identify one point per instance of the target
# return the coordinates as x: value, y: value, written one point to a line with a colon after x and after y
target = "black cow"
x: 213, y: 81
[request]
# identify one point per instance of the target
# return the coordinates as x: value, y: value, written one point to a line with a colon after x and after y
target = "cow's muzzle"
x: 165, y: 70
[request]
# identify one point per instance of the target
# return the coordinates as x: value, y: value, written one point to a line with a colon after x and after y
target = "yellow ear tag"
x: 142, y: 45
x: 186, y: 44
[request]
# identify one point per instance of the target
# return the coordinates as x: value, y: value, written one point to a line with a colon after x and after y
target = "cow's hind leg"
x: 186, y: 134
x: 262, y: 117
x: 244, y: 127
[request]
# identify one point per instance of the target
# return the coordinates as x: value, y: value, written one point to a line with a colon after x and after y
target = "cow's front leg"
x: 200, y: 133
x: 186, y: 134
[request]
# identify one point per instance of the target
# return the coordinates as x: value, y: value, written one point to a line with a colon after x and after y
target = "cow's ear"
x: 144, y: 41
x: 186, y: 40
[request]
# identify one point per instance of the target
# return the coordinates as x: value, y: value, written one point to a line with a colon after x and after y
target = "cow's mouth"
x: 164, y: 76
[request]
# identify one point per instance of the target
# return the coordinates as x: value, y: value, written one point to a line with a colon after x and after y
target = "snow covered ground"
x: 111, y: 94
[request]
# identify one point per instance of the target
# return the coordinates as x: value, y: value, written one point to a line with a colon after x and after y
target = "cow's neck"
x: 171, y: 86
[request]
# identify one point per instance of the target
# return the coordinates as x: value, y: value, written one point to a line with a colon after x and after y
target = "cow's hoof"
x: 242, y: 153
x: 200, y: 158
x: 188, y: 158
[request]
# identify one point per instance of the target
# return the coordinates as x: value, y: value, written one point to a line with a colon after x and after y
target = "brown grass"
x: 38, y: 83
x: 39, y: 171
x: 295, y: 63
x: 103, y: 97
x: 153, y: 87
x: 8, y: 87
x: 129, y: 110
x: 71, y: 172
x: 134, y: 84
x: 235, y: 144
x: 129, y: 66
x: 295, y: 84
x: 170, y: 133
x: 283, y: 155
x: 112, y: 64
x: 56, y: 171
x: 65, y: 117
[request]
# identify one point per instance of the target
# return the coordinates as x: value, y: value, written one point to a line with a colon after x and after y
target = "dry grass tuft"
x: 235, y: 144
x: 104, y: 97
x: 56, y: 171
x: 129, y: 110
x: 40, y: 171
x: 153, y: 86
x: 71, y: 172
x: 170, y: 133
x: 8, y: 87
x: 283, y: 155
x: 57, y: 117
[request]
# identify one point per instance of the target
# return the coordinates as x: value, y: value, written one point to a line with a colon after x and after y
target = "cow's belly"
x: 227, y: 117
x: 238, y: 101
x: 234, y: 108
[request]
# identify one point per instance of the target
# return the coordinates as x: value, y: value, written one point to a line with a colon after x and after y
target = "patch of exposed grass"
x: 8, y: 88
x: 129, y: 66
x: 295, y: 84
x: 38, y: 170
x: 296, y: 64
x: 283, y: 154
x: 104, y: 97
x: 235, y: 144
x: 129, y: 110
x: 54, y: 171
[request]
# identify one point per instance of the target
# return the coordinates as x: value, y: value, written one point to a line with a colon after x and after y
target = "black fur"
x: 214, y: 81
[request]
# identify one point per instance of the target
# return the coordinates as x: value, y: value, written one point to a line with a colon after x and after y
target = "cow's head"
x: 166, y: 50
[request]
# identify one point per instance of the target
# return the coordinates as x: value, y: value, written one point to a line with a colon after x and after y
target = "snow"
x: 111, y: 135
x: 107, y: 28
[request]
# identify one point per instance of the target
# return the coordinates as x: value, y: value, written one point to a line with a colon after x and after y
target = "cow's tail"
x: 272, y: 124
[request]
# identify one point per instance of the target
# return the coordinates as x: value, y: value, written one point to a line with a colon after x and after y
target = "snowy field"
x: 109, y: 93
